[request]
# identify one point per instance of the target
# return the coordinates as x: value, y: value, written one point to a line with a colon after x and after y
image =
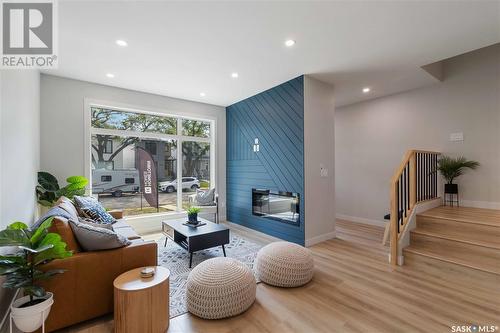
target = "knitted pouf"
x: 219, y: 288
x: 285, y: 264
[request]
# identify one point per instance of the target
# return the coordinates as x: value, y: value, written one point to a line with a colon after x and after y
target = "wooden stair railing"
x: 414, y: 181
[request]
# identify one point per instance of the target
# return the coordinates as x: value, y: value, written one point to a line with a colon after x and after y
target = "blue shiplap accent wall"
x: 276, y: 118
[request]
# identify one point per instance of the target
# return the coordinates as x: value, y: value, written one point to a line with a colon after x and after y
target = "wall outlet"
x: 456, y: 137
x: 323, y: 171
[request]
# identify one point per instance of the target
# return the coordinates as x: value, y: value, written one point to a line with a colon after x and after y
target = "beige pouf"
x: 285, y: 264
x: 219, y: 288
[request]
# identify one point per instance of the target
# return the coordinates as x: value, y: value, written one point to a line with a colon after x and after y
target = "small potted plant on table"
x: 193, y: 215
x: 451, y: 168
x: 21, y: 269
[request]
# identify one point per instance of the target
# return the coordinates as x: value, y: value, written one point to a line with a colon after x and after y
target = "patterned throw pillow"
x: 205, y: 198
x: 91, y: 208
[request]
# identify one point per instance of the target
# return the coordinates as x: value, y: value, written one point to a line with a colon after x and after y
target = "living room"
x: 222, y: 166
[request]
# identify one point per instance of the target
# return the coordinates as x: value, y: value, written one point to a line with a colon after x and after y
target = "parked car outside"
x: 188, y: 183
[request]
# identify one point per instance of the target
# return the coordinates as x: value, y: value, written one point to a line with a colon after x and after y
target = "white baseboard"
x: 318, y: 239
x: 363, y: 220
x: 480, y: 204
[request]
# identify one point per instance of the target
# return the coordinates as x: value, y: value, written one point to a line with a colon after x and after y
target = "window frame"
x: 89, y: 131
x: 110, y: 151
x: 104, y: 179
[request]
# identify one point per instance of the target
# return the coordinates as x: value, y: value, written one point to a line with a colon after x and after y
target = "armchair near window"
x: 211, y: 207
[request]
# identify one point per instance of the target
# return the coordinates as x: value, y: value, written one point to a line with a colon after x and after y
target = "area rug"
x: 176, y: 259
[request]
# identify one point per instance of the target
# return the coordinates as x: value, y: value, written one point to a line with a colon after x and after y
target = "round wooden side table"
x: 142, y: 304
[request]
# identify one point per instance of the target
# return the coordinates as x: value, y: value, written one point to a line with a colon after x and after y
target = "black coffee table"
x: 196, y: 239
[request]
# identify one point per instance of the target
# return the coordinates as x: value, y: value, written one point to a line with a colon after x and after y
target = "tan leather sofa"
x: 85, y: 290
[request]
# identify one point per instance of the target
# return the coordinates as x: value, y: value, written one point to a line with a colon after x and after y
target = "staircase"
x: 463, y: 236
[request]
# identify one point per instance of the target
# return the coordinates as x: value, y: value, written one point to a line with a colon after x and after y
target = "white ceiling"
x: 180, y: 49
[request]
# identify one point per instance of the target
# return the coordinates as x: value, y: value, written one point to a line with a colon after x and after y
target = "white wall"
x: 62, y: 123
x: 19, y: 144
x: 319, y: 151
x: 19, y: 151
x: 371, y: 137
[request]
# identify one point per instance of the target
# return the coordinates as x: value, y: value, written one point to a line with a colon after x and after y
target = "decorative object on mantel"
x: 193, y: 215
x: 451, y: 168
x: 21, y: 269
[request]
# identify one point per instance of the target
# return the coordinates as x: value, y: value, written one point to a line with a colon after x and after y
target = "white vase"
x: 31, y: 318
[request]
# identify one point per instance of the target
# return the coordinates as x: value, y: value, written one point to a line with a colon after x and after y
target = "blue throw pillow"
x: 91, y: 208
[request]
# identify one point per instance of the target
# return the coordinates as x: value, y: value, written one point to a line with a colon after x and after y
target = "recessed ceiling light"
x: 234, y: 75
x: 110, y: 75
x: 366, y: 90
x: 121, y: 42
x: 202, y: 94
x: 290, y: 42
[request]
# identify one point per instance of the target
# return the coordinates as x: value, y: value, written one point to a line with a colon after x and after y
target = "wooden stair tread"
x: 474, y: 238
x: 465, y: 214
x: 458, y: 255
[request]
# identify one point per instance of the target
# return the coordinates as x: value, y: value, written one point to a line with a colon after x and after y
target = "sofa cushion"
x: 205, y: 198
x: 95, y: 238
x: 93, y: 209
x: 120, y: 224
x: 68, y: 206
x: 136, y: 241
x: 61, y: 226
x: 128, y: 233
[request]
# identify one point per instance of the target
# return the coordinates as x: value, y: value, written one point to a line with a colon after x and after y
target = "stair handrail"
x: 414, y: 181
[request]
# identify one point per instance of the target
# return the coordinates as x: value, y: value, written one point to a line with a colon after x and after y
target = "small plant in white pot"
x: 22, y: 270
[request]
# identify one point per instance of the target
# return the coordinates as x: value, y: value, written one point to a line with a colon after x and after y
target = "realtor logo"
x: 28, y: 35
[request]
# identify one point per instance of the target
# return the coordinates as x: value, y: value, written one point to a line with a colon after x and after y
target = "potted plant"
x: 451, y: 168
x: 48, y: 190
x: 193, y: 214
x: 22, y: 270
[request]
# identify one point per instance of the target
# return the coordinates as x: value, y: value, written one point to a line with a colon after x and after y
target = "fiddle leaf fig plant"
x: 451, y: 168
x: 48, y: 190
x: 34, y: 248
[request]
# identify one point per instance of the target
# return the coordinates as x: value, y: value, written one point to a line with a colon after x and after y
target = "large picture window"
x: 176, y: 145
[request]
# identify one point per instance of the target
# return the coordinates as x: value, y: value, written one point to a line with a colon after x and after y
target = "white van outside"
x: 115, y: 182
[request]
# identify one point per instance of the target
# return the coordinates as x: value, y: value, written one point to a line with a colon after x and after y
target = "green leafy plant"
x: 35, y: 248
x: 48, y: 190
x: 451, y: 168
x: 193, y: 210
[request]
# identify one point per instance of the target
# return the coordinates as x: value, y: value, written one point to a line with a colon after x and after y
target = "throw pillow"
x: 93, y: 223
x: 93, y: 209
x: 68, y: 206
x: 205, y: 198
x: 53, y: 212
x: 96, y: 238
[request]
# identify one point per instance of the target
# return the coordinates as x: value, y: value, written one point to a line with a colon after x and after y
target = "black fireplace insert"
x: 280, y: 206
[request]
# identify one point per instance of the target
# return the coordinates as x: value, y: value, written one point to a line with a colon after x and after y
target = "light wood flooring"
x: 354, y: 289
